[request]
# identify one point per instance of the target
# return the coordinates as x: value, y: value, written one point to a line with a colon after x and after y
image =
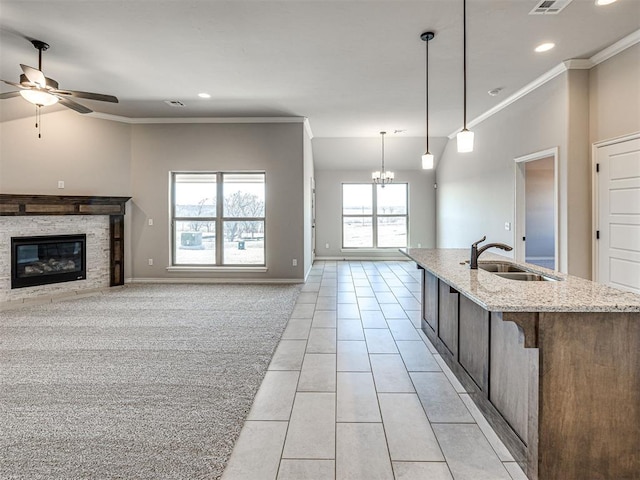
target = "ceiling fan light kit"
x: 39, y: 98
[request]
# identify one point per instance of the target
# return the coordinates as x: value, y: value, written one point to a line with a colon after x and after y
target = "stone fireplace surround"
x: 100, y: 218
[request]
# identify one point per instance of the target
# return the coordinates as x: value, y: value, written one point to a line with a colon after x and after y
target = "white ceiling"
x: 353, y: 68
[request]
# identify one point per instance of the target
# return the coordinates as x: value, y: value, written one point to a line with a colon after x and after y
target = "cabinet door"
x: 430, y: 300
x: 448, y: 317
x: 473, y: 341
x: 510, y: 373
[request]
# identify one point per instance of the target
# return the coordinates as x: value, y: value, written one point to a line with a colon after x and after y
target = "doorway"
x: 536, y: 230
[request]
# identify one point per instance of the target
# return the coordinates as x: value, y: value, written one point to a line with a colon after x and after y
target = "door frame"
x: 520, y: 207
x: 595, y: 198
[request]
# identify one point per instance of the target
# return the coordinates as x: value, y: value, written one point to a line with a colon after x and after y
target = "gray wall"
x: 577, y: 181
x: 158, y: 149
x: 308, y: 179
x: 572, y: 111
x: 329, y: 211
x: 92, y: 156
x: 614, y: 96
x: 340, y: 160
x: 101, y: 157
x: 475, y: 192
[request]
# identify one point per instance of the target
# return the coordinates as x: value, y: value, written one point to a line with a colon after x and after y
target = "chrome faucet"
x: 476, y: 252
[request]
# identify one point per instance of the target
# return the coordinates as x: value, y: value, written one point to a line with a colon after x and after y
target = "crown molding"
x: 307, y: 127
x: 167, y: 120
x: 573, y: 64
x: 530, y: 87
x: 621, y: 45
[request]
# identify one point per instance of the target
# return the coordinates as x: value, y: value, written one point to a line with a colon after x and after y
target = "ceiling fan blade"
x: 9, y: 95
x: 73, y: 105
x: 88, y: 95
x: 13, y: 84
x: 34, y: 75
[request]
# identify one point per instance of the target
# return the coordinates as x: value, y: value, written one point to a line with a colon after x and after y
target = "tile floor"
x: 356, y: 391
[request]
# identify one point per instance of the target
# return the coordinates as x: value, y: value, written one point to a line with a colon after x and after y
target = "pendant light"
x: 465, y: 137
x: 427, y: 158
x: 382, y: 177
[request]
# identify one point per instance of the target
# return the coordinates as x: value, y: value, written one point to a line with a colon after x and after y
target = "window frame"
x: 374, y: 215
x: 219, y: 220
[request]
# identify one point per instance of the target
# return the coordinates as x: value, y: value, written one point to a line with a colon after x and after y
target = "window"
x: 218, y: 218
x: 374, y: 216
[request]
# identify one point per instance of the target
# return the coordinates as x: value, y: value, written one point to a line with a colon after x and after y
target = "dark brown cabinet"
x: 430, y: 300
x: 511, y: 365
x: 473, y: 341
x: 448, y: 317
x: 561, y: 388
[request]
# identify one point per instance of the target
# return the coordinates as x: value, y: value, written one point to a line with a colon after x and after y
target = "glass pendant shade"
x: 38, y: 97
x: 465, y: 141
x: 427, y: 161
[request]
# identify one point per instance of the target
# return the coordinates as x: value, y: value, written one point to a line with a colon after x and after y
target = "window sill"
x: 368, y: 250
x: 235, y: 269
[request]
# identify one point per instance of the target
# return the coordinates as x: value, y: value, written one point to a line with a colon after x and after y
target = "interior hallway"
x: 356, y: 391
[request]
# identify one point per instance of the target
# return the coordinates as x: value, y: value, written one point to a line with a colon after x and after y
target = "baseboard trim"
x: 214, y: 280
x: 363, y: 258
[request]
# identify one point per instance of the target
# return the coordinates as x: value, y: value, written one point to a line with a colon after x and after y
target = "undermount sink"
x: 524, y: 276
x: 495, y: 267
x: 513, y: 272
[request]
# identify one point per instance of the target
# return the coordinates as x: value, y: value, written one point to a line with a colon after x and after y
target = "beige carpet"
x: 145, y: 382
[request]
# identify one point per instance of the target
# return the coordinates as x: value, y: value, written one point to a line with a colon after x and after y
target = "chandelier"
x: 381, y: 176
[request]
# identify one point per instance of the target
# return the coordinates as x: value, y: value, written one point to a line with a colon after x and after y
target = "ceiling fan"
x: 43, y: 91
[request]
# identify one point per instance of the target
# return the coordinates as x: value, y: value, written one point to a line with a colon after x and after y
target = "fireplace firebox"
x: 49, y: 259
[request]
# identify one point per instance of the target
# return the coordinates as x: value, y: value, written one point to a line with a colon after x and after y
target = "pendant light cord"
x: 427, y: 91
x: 382, y: 133
x: 464, y: 50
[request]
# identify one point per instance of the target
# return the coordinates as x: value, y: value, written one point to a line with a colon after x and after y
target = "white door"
x: 618, y: 220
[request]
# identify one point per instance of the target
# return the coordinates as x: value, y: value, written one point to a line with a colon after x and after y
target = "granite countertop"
x: 497, y: 294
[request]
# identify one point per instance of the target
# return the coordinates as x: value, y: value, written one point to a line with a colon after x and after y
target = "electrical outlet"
x: 150, y: 222
x: 507, y: 226
x: 326, y: 245
x: 419, y: 245
x: 295, y: 262
x: 60, y: 183
x: 151, y: 261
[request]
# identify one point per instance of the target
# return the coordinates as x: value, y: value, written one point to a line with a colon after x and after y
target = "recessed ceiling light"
x: 544, y: 47
x: 495, y: 91
x: 604, y: 2
x: 204, y: 95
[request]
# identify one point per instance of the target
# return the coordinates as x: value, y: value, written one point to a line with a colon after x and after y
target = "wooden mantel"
x: 114, y: 207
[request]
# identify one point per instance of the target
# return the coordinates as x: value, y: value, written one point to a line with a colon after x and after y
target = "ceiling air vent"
x: 174, y: 103
x: 549, y: 7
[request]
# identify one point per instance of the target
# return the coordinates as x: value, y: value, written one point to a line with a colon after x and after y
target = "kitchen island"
x: 553, y: 365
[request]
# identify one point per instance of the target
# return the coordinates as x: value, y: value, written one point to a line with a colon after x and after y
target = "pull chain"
x: 39, y: 120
